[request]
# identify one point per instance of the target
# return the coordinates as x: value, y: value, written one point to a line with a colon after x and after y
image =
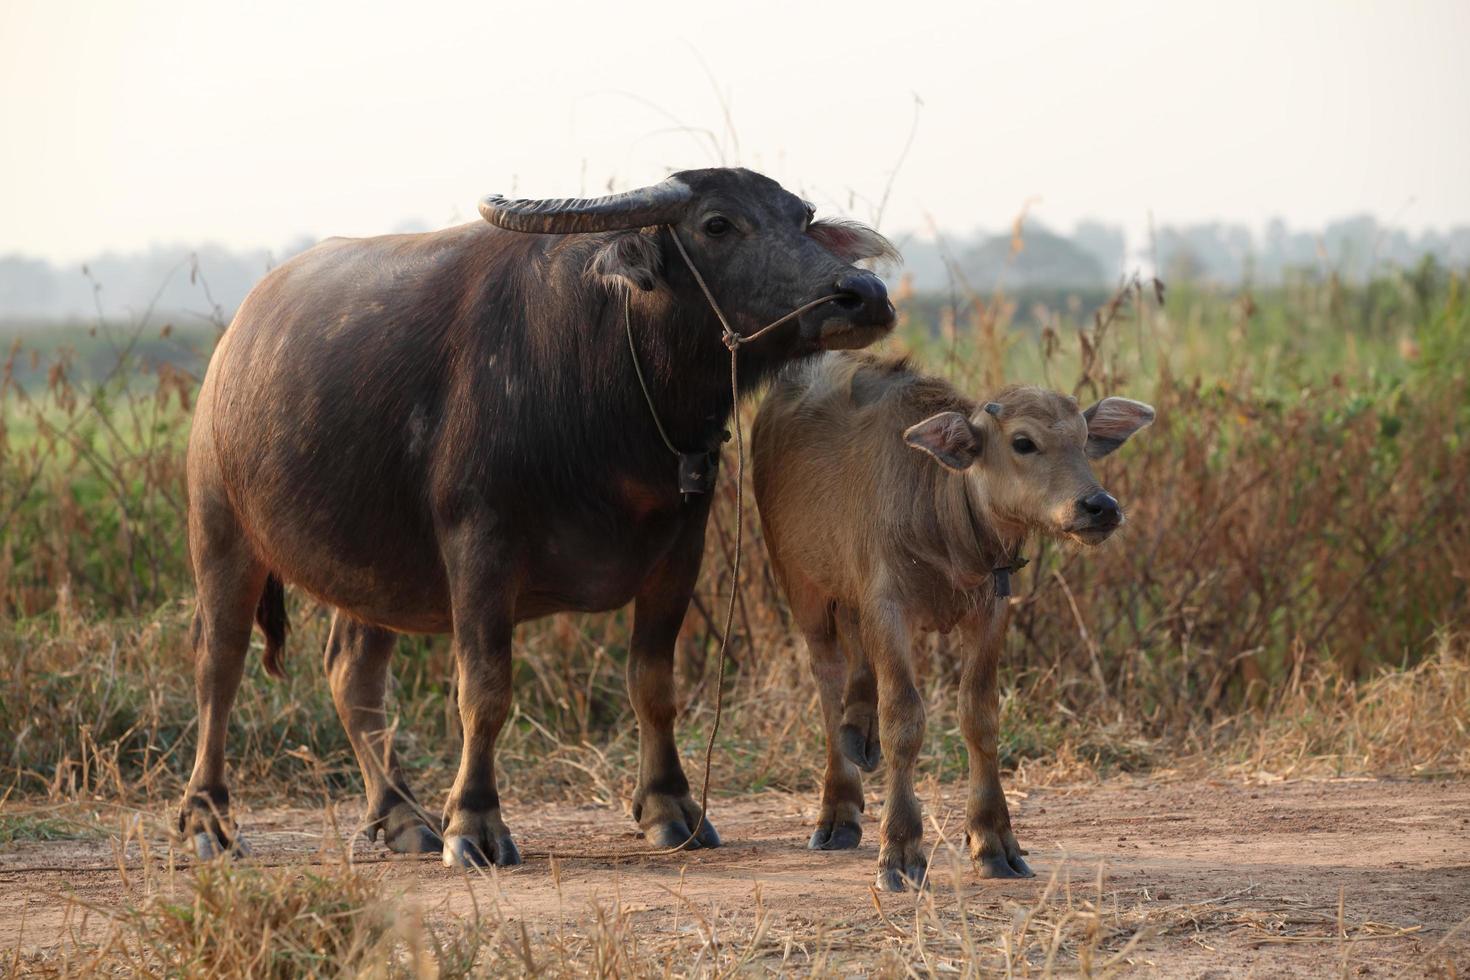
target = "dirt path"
x: 1204, y: 878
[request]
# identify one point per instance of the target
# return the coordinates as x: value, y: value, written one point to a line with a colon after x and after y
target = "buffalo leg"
x: 839, y: 827
x: 987, y: 819
x: 357, y: 657
x: 483, y: 609
x: 661, y: 802
x: 858, y: 734
x: 885, y: 639
x: 229, y: 580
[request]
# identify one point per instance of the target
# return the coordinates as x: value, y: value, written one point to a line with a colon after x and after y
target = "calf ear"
x: 948, y: 437
x: 1111, y: 421
x: 852, y: 241
x: 630, y: 258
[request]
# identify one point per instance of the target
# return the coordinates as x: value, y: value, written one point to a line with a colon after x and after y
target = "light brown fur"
x: 888, y: 500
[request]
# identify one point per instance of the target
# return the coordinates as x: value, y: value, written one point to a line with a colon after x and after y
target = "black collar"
x: 697, y: 469
x: 1002, y: 575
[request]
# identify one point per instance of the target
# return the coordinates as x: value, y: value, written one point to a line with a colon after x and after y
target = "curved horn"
x: 659, y: 204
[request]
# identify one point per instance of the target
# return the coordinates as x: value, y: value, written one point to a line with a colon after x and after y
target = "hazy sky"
x: 125, y: 123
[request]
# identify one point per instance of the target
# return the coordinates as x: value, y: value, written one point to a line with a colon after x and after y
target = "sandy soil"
x: 1223, y: 878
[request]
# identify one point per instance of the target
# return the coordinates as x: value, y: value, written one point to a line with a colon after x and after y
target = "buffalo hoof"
x: 205, y: 825
x: 668, y: 820
x: 837, y: 836
x: 414, y: 839
x: 405, y: 831
x: 465, y: 852
x: 478, y: 839
x: 1001, y: 866
x: 901, y: 868
x: 207, y: 847
x: 676, y: 833
x: 860, y: 745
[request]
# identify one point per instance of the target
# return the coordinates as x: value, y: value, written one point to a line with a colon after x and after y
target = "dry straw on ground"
x: 336, y: 919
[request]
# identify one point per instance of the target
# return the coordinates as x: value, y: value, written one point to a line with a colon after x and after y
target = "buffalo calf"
x: 893, y: 504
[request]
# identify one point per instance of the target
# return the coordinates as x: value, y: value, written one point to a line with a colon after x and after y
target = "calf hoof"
x: 840, y: 835
x: 1000, y: 866
x: 859, y: 744
x: 997, y: 854
x: 667, y: 823
x: 902, y: 868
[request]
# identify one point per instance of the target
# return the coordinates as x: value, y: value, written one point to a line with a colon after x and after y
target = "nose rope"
x: 633, y: 350
x: 732, y: 339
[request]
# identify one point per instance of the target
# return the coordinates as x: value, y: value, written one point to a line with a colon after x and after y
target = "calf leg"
x: 357, y: 657
x: 229, y: 581
x: 661, y: 802
x: 858, y: 734
x: 838, y: 824
x: 886, y: 640
x: 987, y: 818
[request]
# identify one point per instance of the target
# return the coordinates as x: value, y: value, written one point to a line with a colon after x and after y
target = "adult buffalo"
x: 445, y: 432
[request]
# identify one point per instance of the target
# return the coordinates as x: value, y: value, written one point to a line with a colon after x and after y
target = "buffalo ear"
x: 852, y: 241
x: 948, y: 437
x: 629, y: 257
x: 1111, y: 421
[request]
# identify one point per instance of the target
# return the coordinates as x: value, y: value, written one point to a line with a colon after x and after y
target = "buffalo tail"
x: 270, y: 616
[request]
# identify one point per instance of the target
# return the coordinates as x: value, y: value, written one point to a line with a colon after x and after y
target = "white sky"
x: 124, y: 123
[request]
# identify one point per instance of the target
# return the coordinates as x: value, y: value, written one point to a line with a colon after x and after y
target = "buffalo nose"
x: 864, y: 295
x: 1100, y: 507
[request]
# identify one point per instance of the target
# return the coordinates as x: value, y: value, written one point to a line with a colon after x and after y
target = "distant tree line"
x: 1098, y: 254
x: 177, y: 282
x: 210, y: 281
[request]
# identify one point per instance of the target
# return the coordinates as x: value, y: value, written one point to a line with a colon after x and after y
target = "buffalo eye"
x: 1023, y: 446
x: 716, y: 225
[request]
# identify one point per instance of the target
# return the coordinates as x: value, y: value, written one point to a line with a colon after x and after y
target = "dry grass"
x: 1409, y: 722
x: 336, y: 919
x: 226, y: 921
x: 1287, y: 546
x: 124, y: 734
x: 1292, y: 596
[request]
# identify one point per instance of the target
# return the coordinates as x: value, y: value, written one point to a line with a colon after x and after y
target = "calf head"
x: 1026, y: 455
x: 758, y: 246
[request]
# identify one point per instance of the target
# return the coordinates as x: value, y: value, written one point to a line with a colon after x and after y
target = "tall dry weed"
x: 1284, y: 524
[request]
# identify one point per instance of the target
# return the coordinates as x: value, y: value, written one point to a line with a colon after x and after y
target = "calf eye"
x: 716, y: 225
x: 1023, y: 445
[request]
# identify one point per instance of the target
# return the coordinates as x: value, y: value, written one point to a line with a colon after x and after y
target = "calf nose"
x: 864, y: 296
x: 1100, y: 507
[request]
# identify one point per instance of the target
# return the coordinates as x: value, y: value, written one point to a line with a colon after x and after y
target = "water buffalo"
x: 444, y: 432
x: 873, y: 542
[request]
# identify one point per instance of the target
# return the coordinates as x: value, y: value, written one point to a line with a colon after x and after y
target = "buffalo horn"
x: 662, y: 203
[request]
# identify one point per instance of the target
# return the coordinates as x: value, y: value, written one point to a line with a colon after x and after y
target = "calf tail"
x: 270, y: 616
